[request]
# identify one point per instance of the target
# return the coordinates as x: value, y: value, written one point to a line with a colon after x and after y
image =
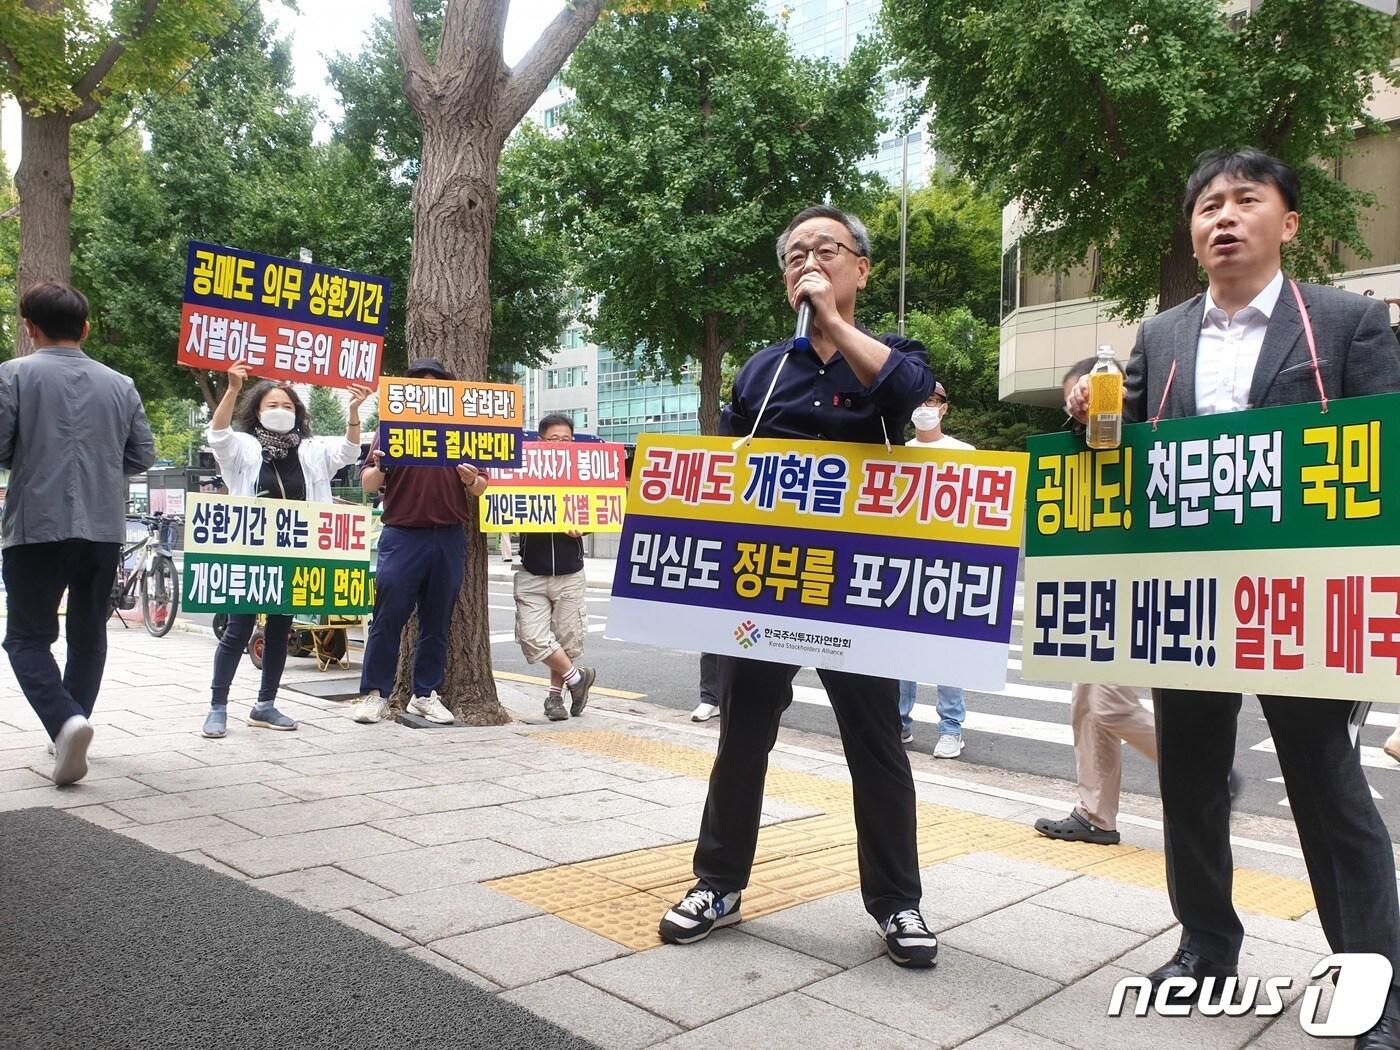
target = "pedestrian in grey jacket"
x: 71, y: 431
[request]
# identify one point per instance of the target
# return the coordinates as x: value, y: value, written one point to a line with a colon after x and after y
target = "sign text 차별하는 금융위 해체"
x: 286, y: 320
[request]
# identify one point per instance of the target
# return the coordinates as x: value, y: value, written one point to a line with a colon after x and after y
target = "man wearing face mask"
x: 422, y: 559
x: 952, y: 707
x: 71, y: 431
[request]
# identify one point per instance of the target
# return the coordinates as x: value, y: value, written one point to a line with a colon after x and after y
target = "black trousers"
x: 1345, y: 844
x: 229, y: 654
x: 36, y: 575
x: 753, y: 696
x: 709, y: 678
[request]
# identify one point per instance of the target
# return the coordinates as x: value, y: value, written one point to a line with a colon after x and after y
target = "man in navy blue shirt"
x: 848, y: 386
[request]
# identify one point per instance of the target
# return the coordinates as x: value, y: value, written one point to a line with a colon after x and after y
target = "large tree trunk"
x: 711, y: 369
x: 449, y: 317
x: 467, y: 102
x: 1177, y: 278
x: 45, y: 186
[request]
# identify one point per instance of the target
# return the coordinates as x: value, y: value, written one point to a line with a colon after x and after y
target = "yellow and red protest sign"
x: 559, y: 486
x: 440, y: 423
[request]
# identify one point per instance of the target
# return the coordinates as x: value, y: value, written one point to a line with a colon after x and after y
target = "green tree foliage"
x: 695, y: 137
x: 326, y: 411
x: 63, y: 60
x: 952, y: 300
x: 177, y: 439
x: 382, y: 144
x: 230, y: 161
x: 962, y: 349
x: 953, y: 251
x: 1091, y: 112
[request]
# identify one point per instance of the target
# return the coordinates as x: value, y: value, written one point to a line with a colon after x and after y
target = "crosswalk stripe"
x: 1373, y: 757
x: 976, y: 721
x: 509, y: 636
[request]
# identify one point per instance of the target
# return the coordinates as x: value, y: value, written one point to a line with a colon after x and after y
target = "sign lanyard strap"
x: 1312, y: 353
x: 1312, y: 343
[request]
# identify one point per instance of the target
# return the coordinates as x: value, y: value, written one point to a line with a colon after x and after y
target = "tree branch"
x: 417, y: 70
x: 1110, y: 119
x: 528, y: 80
x: 94, y: 76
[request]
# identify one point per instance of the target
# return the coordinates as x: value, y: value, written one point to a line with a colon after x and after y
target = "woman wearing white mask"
x: 271, y: 454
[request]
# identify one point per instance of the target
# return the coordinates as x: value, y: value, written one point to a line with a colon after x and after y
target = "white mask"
x: 926, y: 418
x: 277, y: 420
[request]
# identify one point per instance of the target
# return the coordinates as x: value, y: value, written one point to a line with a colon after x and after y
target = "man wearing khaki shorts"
x: 551, y: 616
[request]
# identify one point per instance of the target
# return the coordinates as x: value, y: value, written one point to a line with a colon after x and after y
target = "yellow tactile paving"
x: 623, y: 897
x: 844, y: 859
x: 1259, y: 891
x: 646, y: 869
x: 799, y: 877
x: 1074, y: 856
x: 553, y: 889
x: 630, y: 921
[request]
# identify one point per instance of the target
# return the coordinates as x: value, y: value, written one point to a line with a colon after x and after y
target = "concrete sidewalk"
x: 534, y: 860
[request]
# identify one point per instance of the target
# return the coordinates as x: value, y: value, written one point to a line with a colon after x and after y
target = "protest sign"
x: 1244, y: 552
x: 440, y: 423
x: 285, y: 320
x: 559, y: 485
x: 246, y: 555
x: 896, y: 563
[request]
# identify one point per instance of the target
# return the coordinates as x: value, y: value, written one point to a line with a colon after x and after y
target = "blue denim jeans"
x: 952, y: 708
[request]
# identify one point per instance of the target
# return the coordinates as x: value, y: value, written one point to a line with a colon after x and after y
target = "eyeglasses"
x: 827, y: 252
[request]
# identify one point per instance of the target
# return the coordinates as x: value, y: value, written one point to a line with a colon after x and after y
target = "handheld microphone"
x: 802, y: 334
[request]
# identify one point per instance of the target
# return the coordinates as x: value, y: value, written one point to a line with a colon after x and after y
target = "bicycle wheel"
x: 160, y: 597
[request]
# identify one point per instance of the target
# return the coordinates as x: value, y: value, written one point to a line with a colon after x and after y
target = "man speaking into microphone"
x: 831, y: 381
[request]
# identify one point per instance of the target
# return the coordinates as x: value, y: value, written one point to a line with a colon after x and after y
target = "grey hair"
x: 854, y: 226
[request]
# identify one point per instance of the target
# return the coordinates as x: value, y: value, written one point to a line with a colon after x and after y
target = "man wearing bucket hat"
x: 422, y: 558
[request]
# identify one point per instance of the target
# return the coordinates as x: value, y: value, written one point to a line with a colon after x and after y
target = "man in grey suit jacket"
x: 1241, y: 345
x: 71, y: 430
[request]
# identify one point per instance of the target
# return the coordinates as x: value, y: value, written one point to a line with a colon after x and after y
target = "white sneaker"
x: 70, y: 749
x: 371, y: 708
x: 431, y: 708
x: 704, y: 712
x: 950, y: 745
x: 49, y: 747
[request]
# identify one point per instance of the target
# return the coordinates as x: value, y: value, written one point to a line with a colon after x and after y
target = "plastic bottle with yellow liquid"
x: 1105, y: 428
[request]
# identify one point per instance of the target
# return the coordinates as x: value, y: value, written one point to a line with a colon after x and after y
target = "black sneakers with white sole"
x: 696, y: 914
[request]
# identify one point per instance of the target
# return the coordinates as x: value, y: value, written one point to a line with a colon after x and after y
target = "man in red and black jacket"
x: 422, y: 559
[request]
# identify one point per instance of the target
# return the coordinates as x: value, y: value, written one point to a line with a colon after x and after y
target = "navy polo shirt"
x: 825, y: 400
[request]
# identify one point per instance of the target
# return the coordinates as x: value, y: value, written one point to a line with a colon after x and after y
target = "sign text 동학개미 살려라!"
x: 253, y: 555
x: 442, y: 422
x: 897, y: 563
x: 286, y: 320
x: 559, y: 485
x: 1253, y: 551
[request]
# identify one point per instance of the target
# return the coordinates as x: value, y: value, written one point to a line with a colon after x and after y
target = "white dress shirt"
x: 1229, y: 350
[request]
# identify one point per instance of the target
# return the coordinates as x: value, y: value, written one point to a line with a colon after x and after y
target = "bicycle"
x: 148, y: 563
